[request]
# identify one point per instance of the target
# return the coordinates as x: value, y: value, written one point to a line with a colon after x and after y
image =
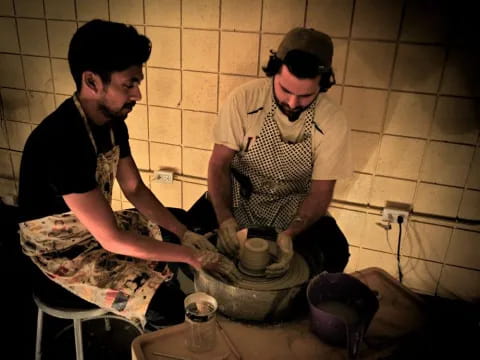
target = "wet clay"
x: 257, y: 257
x: 254, y: 257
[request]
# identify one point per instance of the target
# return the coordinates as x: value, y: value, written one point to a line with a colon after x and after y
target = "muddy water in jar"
x: 200, y: 311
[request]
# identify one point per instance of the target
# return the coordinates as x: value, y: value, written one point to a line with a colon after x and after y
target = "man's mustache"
x: 296, y: 109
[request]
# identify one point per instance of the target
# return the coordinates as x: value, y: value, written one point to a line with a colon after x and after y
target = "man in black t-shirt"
x: 69, y: 164
x: 59, y: 159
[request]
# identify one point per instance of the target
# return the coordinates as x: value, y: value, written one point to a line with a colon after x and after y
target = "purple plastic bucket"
x: 341, y: 309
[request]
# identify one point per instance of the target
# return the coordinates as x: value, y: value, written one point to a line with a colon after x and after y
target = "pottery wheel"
x: 297, y: 274
x: 255, y: 297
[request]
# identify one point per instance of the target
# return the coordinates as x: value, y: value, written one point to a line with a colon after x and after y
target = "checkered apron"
x: 280, y: 174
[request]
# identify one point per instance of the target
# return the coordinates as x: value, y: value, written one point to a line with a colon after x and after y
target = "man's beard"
x: 292, y: 114
x: 116, y: 115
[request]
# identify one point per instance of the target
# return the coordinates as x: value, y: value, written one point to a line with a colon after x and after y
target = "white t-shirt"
x: 241, y: 118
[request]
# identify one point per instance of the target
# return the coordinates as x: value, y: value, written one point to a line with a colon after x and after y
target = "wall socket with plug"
x: 393, y: 210
x: 163, y: 176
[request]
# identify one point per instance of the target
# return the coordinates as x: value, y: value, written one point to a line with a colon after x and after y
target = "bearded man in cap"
x: 280, y: 145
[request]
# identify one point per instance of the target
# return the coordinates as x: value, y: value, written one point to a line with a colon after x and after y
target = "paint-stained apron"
x: 279, y: 174
x: 68, y: 254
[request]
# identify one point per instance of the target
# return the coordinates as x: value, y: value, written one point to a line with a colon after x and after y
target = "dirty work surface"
x: 407, y: 326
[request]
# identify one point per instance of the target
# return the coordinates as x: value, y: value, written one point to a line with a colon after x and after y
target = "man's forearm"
x: 93, y: 211
x: 219, y: 192
x: 219, y: 182
x: 313, y: 207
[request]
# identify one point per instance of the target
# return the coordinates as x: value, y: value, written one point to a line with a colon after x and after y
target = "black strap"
x: 246, y: 186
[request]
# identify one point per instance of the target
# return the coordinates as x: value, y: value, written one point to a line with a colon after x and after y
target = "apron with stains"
x: 279, y: 172
x: 69, y: 255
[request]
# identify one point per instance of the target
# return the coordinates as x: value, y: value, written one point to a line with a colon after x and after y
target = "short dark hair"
x: 303, y: 65
x: 104, y: 47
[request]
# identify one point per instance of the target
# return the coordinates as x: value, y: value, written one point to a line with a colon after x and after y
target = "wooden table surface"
x: 399, y: 313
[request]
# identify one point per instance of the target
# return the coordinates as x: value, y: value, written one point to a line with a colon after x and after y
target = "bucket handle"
x: 355, y: 334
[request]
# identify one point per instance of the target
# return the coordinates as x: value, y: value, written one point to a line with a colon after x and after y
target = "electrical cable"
x: 400, y: 221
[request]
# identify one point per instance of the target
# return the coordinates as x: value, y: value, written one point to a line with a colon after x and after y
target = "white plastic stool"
x: 77, y: 315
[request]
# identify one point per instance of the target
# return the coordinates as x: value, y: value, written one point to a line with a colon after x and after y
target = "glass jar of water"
x: 201, y: 326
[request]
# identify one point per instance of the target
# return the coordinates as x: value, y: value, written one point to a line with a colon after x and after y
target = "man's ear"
x: 91, y: 81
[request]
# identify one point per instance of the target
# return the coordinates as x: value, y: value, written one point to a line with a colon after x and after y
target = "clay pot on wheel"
x: 255, y: 297
x: 254, y: 257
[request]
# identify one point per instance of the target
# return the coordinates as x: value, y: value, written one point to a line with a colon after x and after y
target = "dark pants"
x: 323, y: 244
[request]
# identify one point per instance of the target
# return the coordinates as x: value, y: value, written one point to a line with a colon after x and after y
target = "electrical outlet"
x: 393, y: 210
x: 391, y: 214
x: 163, y: 176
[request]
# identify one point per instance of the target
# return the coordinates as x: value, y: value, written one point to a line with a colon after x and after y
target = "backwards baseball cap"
x: 310, y: 41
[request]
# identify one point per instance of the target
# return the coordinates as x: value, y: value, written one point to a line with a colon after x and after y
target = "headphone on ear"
x: 327, y: 79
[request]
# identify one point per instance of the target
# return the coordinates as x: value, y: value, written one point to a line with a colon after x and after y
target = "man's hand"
x: 219, y: 266
x: 197, y: 241
x: 227, y: 237
x: 284, y: 256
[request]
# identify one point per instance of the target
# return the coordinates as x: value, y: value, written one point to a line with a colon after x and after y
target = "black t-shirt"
x: 59, y: 159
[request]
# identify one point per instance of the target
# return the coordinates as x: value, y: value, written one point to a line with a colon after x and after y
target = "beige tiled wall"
x: 406, y: 75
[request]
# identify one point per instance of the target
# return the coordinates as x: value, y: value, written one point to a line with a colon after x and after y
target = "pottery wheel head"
x: 298, y: 273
